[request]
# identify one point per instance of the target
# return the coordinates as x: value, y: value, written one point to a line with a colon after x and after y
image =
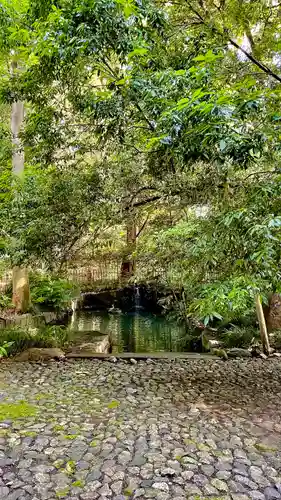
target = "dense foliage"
x: 161, y: 119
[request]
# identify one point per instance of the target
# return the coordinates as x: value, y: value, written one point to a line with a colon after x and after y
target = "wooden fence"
x: 5, y: 280
x: 103, y: 273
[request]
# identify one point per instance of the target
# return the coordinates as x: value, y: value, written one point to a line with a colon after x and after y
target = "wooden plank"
x: 144, y: 355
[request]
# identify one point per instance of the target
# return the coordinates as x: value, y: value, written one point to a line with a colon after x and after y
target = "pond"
x: 136, y: 331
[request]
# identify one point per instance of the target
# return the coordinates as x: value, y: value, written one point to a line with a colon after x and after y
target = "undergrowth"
x: 20, y: 339
x: 239, y: 336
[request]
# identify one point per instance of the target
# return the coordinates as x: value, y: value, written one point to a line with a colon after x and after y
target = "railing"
x: 101, y: 273
x: 5, y: 280
x: 95, y: 274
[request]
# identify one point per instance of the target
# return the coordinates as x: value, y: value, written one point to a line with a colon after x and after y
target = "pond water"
x: 136, y: 331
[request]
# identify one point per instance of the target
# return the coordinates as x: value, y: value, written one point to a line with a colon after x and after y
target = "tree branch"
x: 150, y: 124
x: 145, y: 202
x: 143, y: 226
x: 262, y: 173
x: 144, y: 188
x: 249, y: 56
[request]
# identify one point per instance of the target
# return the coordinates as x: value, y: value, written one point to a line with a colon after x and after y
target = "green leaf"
x: 140, y: 51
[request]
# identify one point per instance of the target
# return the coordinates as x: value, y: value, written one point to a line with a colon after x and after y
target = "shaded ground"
x: 165, y: 430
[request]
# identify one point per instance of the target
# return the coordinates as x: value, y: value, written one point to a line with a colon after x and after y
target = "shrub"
x: 5, y: 302
x: 19, y: 339
x: 5, y: 348
x: 50, y: 291
x: 239, y: 336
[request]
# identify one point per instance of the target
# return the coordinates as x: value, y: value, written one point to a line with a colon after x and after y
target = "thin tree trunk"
x: 21, y: 290
x: 262, y: 325
x: 128, y: 265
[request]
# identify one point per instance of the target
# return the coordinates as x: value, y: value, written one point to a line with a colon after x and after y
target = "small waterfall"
x: 137, y: 298
x: 74, y: 303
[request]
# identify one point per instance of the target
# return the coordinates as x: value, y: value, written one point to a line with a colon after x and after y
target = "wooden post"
x: 262, y: 325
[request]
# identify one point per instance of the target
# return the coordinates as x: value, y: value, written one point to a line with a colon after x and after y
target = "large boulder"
x: 100, y: 345
x: 40, y: 354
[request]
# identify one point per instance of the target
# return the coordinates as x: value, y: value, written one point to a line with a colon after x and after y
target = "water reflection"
x: 131, y: 332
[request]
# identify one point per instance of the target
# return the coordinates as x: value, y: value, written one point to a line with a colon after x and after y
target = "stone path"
x: 167, y: 430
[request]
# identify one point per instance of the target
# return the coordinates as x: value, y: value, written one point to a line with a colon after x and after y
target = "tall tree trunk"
x: 21, y: 290
x: 128, y: 265
x: 262, y: 325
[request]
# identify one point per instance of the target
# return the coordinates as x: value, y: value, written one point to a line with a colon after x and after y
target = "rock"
x: 82, y: 465
x: 175, y: 465
x: 117, y: 487
x: 208, y: 470
x: 140, y: 492
x: 40, y: 354
x: 258, y: 477
x: 101, y: 345
x: 93, y: 486
x: 256, y: 495
x: 133, y: 361
x: 112, y: 359
x: 210, y: 490
x: 124, y: 458
x: 187, y: 475
x: 200, y: 479
x: 219, y: 485
x: 146, y: 483
x: 168, y: 471
x: 105, y: 491
x: 246, y: 481
x: 239, y: 497
x: 237, y: 352
x: 4, y: 491
x: 223, y: 474
x: 94, y: 475
x: 138, y: 461
x: 161, y: 487
x: 271, y: 493
x: 15, y: 495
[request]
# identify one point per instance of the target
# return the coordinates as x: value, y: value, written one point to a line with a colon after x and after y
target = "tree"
x: 193, y: 119
x: 14, y: 36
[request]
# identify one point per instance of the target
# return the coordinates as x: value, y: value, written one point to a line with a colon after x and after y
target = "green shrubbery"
x: 17, y: 339
x: 48, y: 291
x: 5, y: 301
x: 239, y: 336
x: 51, y: 292
x: 5, y: 349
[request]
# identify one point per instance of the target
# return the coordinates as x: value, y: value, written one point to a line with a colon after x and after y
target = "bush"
x: 19, y: 339
x: 5, y: 302
x: 5, y: 349
x: 51, y: 292
x: 239, y: 336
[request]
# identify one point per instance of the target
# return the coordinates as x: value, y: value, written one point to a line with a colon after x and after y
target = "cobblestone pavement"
x: 165, y: 430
